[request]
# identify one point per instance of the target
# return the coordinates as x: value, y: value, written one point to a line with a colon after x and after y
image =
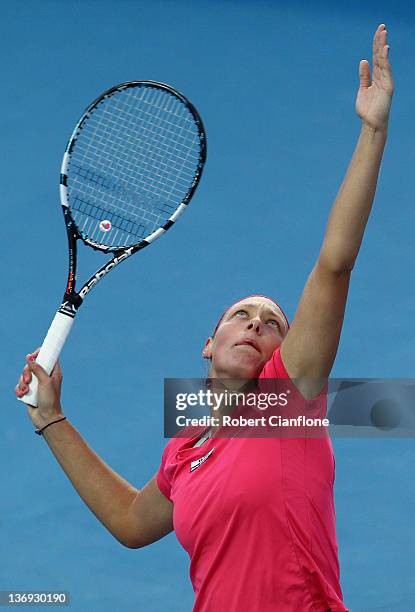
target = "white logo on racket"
x: 105, y: 225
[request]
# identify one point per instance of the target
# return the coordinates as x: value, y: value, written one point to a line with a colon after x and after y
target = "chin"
x: 245, y: 371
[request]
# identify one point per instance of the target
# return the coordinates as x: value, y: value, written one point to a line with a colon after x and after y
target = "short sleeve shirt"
x: 257, y: 518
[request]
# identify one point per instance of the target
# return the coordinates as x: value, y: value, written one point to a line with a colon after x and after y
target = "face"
x: 246, y: 338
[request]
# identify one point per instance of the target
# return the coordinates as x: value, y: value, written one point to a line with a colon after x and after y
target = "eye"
x: 240, y: 313
x: 274, y: 323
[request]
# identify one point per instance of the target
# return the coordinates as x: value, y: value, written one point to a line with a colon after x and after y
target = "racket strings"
x: 133, y: 163
x: 117, y: 222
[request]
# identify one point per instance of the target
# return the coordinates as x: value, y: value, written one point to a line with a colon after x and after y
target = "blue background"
x: 275, y: 84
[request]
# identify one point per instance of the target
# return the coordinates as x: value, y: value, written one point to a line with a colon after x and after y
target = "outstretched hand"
x: 374, y: 97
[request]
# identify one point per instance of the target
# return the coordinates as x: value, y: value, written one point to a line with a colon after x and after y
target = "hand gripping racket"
x: 129, y: 170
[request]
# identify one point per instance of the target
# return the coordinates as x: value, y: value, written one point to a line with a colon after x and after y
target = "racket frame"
x: 72, y: 300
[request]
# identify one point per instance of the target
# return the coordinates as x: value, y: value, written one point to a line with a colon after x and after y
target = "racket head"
x: 131, y: 165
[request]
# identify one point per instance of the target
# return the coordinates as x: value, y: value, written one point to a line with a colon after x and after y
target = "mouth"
x: 248, y: 342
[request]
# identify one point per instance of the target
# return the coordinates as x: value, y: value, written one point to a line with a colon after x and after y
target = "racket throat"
x: 70, y: 305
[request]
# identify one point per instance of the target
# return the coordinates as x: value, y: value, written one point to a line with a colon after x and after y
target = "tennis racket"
x: 129, y: 170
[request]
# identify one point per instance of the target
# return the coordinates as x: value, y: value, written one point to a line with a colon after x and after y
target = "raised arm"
x: 310, y: 347
x: 135, y: 517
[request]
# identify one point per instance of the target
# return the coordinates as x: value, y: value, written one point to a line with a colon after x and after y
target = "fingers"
x: 384, y: 51
x: 383, y: 48
x: 49, y: 389
x: 21, y: 388
x: 376, y: 45
x: 377, y: 40
x: 364, y: 74
x: 26, y: 375
x: 380, y: 51
x: 25, y: 378
x: 57, y: 372
x: 32, y: 356
x: 38, y: 371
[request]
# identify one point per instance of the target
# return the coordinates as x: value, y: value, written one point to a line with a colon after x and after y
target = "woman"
x: 256, y: 515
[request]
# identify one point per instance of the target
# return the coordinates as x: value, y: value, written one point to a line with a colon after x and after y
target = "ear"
x: 207, y: 351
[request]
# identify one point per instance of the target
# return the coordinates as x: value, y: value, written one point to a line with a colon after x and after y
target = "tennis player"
x: 256, y: 515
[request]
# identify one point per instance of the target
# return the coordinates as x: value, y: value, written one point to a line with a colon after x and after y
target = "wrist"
x: 39, y: 431
x: 44, y: 419
x: 378, y: 131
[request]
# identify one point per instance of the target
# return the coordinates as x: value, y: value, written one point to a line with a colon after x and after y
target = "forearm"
x: 351, y: 209
x: 106, y: 493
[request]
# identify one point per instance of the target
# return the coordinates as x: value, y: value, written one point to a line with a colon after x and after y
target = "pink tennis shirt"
x: 257, y: 518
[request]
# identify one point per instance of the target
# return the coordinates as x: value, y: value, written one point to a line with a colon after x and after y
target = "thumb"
x: 38, y: 371
x: 56, y: 373
x: 364, y: 74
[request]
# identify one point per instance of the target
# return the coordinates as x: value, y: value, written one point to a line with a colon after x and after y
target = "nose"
x: 255, y: 324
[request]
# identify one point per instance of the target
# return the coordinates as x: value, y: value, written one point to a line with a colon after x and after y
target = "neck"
x: 227, y: 394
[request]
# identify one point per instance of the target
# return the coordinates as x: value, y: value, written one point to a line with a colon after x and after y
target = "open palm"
x: 375, y: 94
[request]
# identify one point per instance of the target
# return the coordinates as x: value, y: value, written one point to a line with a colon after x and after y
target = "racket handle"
x: 49, y: 353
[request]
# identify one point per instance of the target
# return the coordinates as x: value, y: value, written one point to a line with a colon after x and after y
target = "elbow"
x: 126, y: 538
x: 130, y: 543
x: 342, y: 269
x: 335, y: 265
x: 129, y: 538
x: 134, y: 541
x: 130, y: 546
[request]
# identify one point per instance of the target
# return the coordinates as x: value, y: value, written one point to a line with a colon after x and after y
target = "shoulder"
x: 311, y: 392
x: 183, y: 439
x: 274, y: 368
x: 170, y: 459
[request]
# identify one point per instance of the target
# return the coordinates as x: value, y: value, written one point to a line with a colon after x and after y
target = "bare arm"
x: 310, y: 346
x: 151, y: 515
x: 134, y: 517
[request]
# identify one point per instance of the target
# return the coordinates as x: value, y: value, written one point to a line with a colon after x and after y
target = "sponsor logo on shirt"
x: 198, y: 462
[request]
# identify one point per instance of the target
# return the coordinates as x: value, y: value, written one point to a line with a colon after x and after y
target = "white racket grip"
x: 49, y: 353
